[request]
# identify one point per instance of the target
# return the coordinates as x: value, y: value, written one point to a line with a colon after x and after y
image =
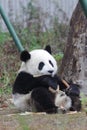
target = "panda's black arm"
x: 24, y: 83
x: 53, y: 82
x: 48, y: 81
x: 63, y: 84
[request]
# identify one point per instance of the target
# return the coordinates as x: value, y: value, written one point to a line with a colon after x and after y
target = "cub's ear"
x: 48, y: 49
x: 25, y: 56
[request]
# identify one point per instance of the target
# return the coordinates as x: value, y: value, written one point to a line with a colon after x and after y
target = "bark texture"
x: 74, y: 63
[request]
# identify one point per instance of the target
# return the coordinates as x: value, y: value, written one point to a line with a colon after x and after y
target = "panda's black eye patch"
x: 41, y: 64
x: 51, y: 63
x: 62, y: 94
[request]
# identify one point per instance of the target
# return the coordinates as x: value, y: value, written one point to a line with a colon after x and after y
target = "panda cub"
x: 35, y: 76
x: 72, y: 90
x: 60, y: 100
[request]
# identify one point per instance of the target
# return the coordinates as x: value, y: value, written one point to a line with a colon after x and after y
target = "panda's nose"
x: 50, y: 71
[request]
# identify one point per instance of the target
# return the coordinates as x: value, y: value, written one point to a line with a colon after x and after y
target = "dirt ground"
x: 12, y: 119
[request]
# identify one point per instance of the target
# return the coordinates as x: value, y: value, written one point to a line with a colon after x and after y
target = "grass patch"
x: 4, y: 36
x: 58, y: 57
x: 23, y: 123
x: 84, y: 102
x: 6, y: 90
x: 5, y: 84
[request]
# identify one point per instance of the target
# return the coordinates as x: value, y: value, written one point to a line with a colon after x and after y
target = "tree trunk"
x: 74, y: 63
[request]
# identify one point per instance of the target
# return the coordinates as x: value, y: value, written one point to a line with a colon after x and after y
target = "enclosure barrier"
x: 84, y: 6
x: 12, y: 31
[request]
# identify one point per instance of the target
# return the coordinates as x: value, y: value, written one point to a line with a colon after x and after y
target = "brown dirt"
x: 11, y: 119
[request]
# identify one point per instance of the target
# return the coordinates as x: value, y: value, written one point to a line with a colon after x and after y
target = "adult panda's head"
x: 38, y: 62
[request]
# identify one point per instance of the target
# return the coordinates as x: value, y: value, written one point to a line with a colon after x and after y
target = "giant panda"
x: 31, y: 87
x: 73, y: 91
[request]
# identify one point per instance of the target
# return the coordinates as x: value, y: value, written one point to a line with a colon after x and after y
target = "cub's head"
x: 38, y: 62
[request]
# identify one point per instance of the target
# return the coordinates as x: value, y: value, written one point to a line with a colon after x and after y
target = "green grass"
x: 84, y: 102
x: 5, y: 80
x: 58, y: 56
x: 4, y: 37
x: 22, y: 122
x: 6, y: 90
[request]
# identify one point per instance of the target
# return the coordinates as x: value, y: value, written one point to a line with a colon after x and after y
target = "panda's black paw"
x: 73, y: 90
x: 52, y: 110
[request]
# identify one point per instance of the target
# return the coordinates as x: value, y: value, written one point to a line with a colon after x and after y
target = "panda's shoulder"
x: 23, y: 83
x: 24, y: 77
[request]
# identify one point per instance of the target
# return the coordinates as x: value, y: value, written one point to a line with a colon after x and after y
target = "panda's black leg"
x: 43, y: 100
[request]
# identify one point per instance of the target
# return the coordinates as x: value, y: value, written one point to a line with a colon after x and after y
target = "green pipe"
x: 84, y: 6
x: 11, y: 30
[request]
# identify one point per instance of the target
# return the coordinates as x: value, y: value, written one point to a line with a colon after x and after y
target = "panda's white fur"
x: 62, y: 100
x: 22, y: 101
x: 31, y: 66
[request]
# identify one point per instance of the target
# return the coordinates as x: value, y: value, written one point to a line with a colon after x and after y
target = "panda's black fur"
x: 74, y: 93
x: 34, y: 90
x: 43, y: 100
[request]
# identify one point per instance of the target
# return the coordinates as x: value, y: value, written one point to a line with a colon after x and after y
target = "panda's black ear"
x: 48, y: 49
x: 25, y: 56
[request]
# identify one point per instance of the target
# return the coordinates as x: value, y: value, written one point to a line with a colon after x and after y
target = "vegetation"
x: 4, y: 37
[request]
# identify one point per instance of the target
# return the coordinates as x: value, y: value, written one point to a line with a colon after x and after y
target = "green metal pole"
x: 84, y: 6
x: 11, y: 30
